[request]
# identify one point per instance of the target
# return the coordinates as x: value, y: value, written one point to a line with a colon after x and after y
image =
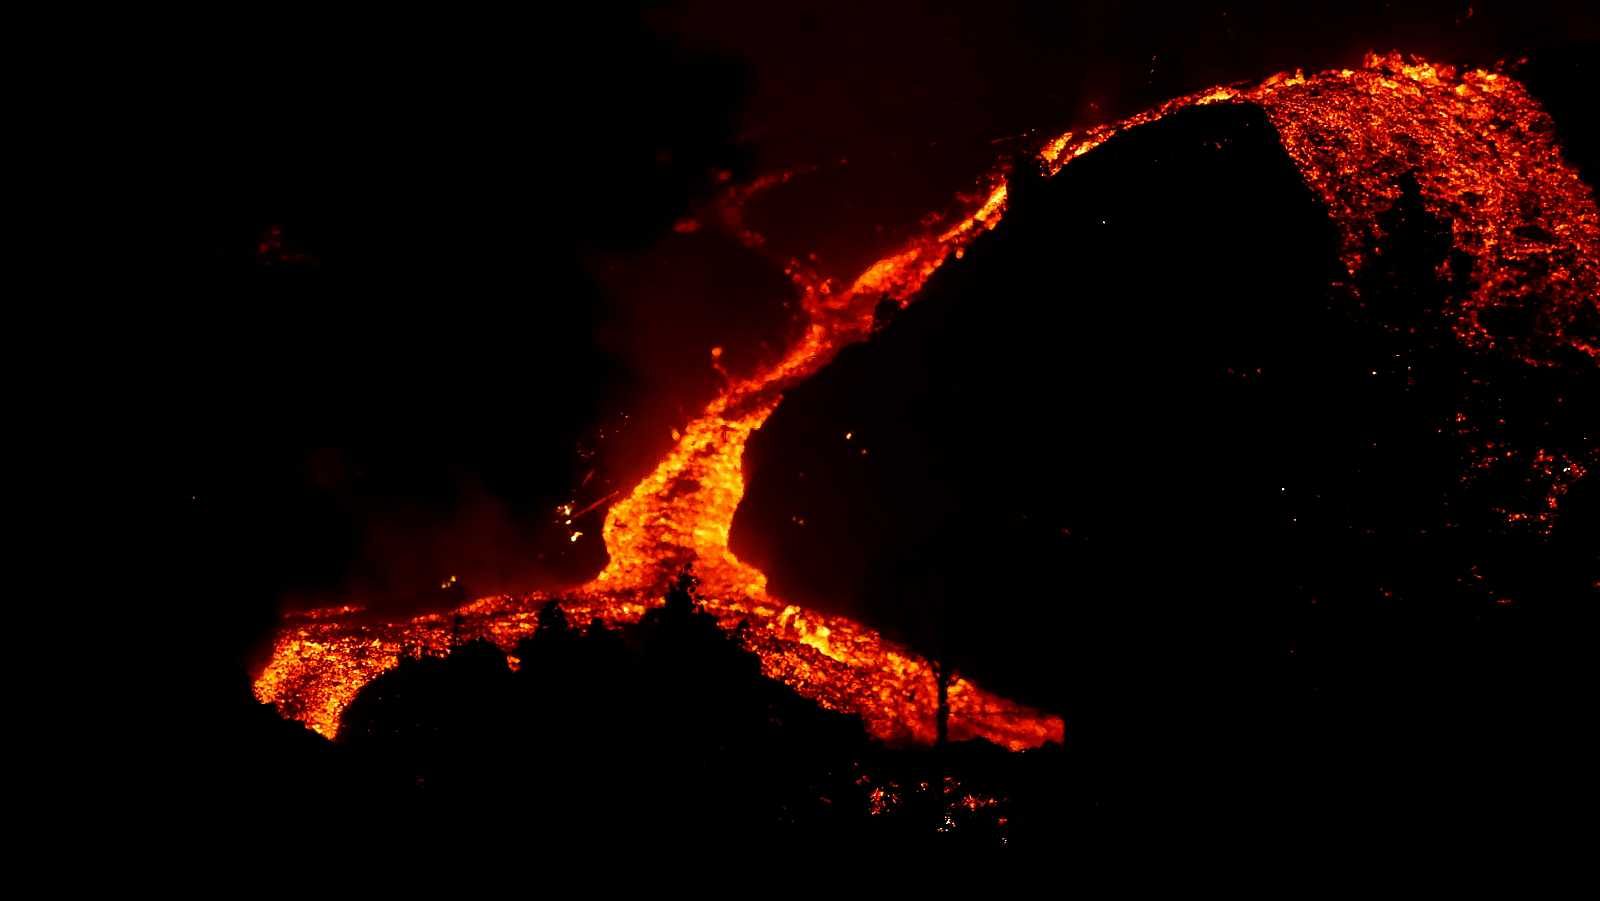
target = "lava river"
x: 1482, y: 151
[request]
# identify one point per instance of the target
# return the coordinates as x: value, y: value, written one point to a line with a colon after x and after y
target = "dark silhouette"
x: 666, y: 732
x: 1223, y: 517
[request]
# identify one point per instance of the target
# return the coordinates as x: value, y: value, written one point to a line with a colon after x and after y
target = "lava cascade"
x: 1485, y: 160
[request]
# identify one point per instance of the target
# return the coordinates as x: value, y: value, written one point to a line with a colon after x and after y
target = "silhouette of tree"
x: 553, y: 625
x: 680, y: 601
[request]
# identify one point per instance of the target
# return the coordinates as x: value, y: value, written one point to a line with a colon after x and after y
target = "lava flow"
x: 1482, y: 152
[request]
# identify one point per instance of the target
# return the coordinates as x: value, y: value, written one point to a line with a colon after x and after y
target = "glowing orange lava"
x: 1482, y: 152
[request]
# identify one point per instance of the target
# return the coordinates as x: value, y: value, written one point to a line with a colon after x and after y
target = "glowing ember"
x: 1484, y: 159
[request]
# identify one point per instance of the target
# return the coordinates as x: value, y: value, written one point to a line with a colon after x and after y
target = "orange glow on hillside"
x: 1482, y: 152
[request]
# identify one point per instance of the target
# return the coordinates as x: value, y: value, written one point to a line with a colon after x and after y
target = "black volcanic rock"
x: 1054, y: 396
x: 1141, y: 458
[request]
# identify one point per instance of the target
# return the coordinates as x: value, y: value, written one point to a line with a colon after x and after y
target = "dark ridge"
x: 1153, y: 473
x: 659, y: 735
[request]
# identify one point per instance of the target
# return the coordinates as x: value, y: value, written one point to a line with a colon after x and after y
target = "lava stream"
x: 1483, y: 155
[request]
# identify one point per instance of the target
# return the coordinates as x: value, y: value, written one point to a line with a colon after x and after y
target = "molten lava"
x: 1483, y: 155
